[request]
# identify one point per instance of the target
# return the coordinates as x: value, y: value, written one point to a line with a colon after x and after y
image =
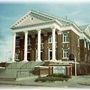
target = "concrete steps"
x: 18, y: 70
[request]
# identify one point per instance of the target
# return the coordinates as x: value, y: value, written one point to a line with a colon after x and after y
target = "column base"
x: 38, y: 60
x: 53, y: 60
x: 24, y: 61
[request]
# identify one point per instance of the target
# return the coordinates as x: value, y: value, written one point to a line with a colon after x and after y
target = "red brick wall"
x: 33, y: 48
x: 82, y: 50
x: 74, y: 49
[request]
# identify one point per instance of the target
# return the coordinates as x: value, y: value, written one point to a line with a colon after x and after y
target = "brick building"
x: 40, y: 37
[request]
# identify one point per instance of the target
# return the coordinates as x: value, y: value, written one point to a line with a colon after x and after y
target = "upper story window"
x: 17, y: 42
x: 50, y: 39
x: 65, y: 37
x: 65, y: 53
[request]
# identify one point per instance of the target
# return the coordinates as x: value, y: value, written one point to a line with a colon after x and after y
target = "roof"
x: 83, y: 27
x: 45, y: 18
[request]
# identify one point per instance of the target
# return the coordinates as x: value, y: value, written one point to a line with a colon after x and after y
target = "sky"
x: 10, y: 12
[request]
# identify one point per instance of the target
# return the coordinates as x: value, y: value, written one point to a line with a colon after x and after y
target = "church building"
x: 39, y: 37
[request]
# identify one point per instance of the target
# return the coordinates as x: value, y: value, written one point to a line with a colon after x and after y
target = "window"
x: 42, y: 45
x: 50, y: 39
x: 49, y: 54
x: 32, y: 18
x: 17, y: 43
x: 17, y: 56
x: 65, y: 37
x: 29, y: 41
x: 65, y: 53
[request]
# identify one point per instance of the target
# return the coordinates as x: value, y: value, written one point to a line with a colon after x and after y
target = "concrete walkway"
x: 74, y: 82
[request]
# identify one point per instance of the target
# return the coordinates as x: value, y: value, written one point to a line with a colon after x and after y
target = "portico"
x: 36, y: 40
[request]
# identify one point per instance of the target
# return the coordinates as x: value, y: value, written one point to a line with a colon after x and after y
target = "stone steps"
x: 18, y: 69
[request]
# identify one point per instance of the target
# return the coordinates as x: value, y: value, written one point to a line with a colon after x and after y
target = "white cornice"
x: 86, y: 37
x: 27, y: 14
x: 65, y: 28
x: 20, y: 19
x: 35, y: 27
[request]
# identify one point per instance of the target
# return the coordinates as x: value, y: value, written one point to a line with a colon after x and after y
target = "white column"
x: 53, y: 45
x: 14, y: 46
x: 25, y: 46
x: 39, y: 46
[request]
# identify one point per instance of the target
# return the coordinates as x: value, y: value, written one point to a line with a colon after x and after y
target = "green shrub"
x: 44, y: 79
x: 58, y: 75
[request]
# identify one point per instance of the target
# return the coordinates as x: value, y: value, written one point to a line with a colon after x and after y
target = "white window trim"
x: 63, y: 54
x: 65, y: 37
x: 49, y: 53
x: 50, y: 39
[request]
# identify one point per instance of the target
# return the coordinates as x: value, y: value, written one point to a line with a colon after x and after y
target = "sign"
x: 59, y: 70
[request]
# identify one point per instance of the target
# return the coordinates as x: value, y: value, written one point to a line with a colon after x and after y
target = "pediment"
x: 31, y: 18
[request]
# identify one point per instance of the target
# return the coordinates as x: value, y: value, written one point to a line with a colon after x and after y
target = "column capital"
x: 14, y: 33
x: 59, y: 32
x: 25, y: 31
x: 39, y: 30
x: 53, y: 27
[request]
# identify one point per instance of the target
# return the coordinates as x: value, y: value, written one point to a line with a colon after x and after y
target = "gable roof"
x: 83, y: 27
x: 42, y: 17
x: 86, y: 30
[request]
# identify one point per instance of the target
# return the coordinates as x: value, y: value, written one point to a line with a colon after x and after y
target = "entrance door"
x: 28, y: 56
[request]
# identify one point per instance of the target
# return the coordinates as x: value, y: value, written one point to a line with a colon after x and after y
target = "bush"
x: 50, y: 78
x: 58, y: 75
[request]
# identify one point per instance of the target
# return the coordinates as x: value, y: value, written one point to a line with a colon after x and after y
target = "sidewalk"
x: 79, y: 81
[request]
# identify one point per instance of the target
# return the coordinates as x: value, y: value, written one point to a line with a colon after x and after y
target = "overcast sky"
x: 9, y: 13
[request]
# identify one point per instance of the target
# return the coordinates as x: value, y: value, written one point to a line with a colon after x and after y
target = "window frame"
x: 50, y: 39
x: 64, y: 56
x: 65, y: 37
